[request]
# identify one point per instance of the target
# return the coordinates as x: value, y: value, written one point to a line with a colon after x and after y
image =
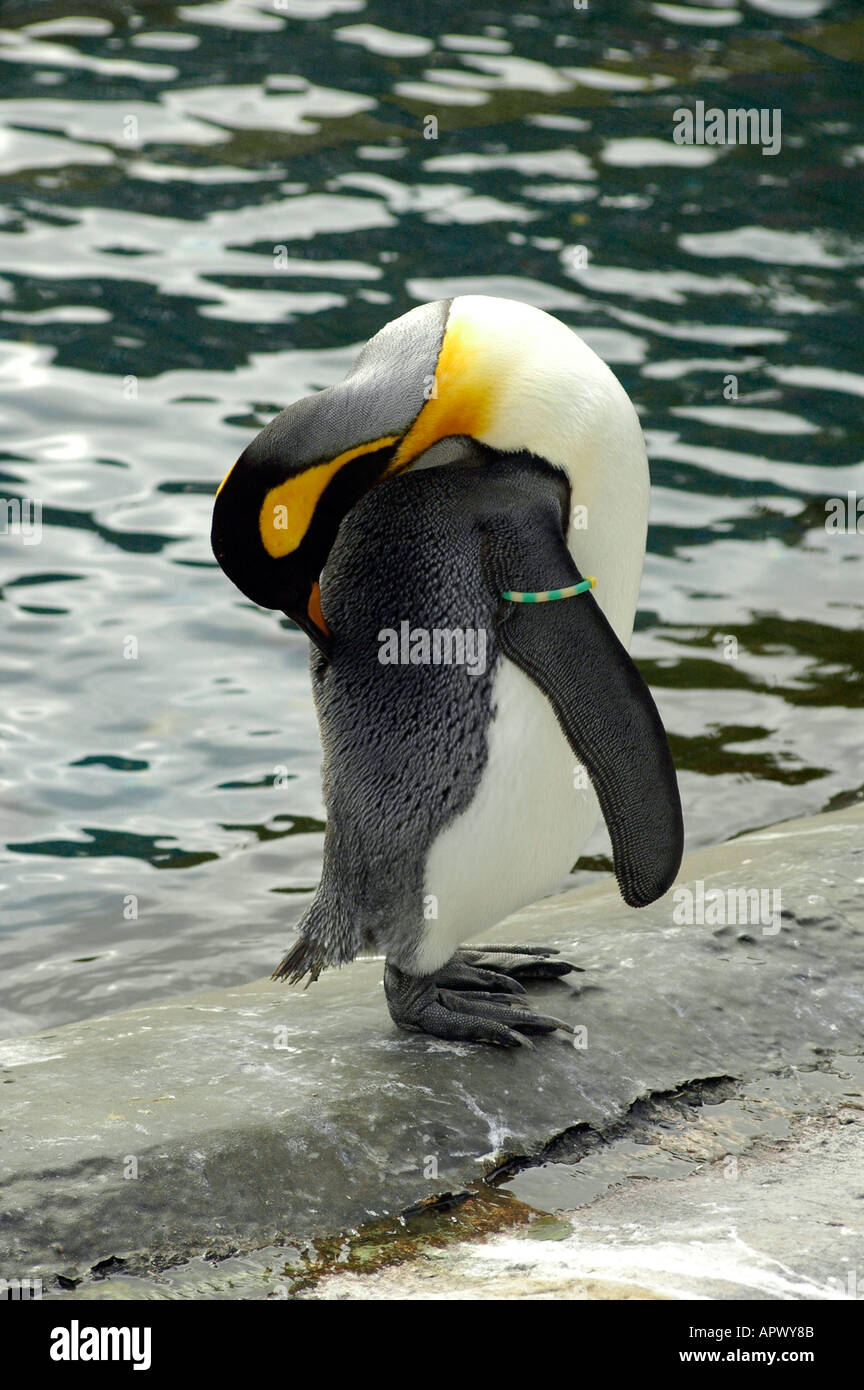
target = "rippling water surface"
x: 207, y: 209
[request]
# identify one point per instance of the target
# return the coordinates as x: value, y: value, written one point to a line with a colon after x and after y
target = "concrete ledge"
x: 262, y: 1114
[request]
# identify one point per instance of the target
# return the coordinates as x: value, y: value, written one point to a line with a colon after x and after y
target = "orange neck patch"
x: 315, y: 611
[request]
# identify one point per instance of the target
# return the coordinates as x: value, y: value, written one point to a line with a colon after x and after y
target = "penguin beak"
x: 313, y: 622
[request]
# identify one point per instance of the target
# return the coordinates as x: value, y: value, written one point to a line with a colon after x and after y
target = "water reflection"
x: 207, y: 209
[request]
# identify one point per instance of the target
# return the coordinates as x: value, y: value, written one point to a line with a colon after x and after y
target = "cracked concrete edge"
x: 778, y: 1122
x: 685, y: 1128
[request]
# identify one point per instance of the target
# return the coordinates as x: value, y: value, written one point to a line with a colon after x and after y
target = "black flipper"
x: 568, y: 648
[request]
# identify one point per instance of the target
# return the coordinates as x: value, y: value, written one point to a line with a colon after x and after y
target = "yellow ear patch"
x: 461, y: 399
x: 288, y: 508
x: 462, y: 392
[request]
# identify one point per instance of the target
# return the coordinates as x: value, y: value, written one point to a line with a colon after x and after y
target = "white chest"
x: 523, y: 830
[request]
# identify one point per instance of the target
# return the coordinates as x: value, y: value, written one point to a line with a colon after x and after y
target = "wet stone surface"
x: 263, y: 1116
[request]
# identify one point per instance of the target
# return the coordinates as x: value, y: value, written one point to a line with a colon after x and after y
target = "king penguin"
x: 429, y: 523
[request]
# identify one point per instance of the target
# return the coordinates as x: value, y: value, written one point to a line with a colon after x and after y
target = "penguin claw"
x: 424, y: 1004
x: 504, y: 1009
x: 518, y: 962
x: 459, y: 974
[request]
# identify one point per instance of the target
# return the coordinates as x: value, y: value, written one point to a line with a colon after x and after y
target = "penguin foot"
x: 476, y: 1010
x: 516, y: 962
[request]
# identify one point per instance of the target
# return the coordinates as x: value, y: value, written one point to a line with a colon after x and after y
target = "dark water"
x: 146, y: 333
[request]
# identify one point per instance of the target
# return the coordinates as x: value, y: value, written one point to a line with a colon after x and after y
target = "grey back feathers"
x: 405, y: 746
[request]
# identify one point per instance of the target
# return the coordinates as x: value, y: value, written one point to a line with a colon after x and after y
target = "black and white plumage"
x: 513, y: 461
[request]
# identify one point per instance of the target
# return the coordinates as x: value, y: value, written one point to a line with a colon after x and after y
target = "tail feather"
x: 304, y: 958
x: 329, y: 934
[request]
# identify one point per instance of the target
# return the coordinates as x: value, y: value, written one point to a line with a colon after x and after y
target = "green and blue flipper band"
x: 550, y: 595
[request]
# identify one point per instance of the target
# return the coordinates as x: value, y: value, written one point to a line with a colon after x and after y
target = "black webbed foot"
x: 465, y: 1002
x: 516, y: 962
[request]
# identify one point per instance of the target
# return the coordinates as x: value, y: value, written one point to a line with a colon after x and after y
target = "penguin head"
x: 276, y: 516
x: 277, y: 512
